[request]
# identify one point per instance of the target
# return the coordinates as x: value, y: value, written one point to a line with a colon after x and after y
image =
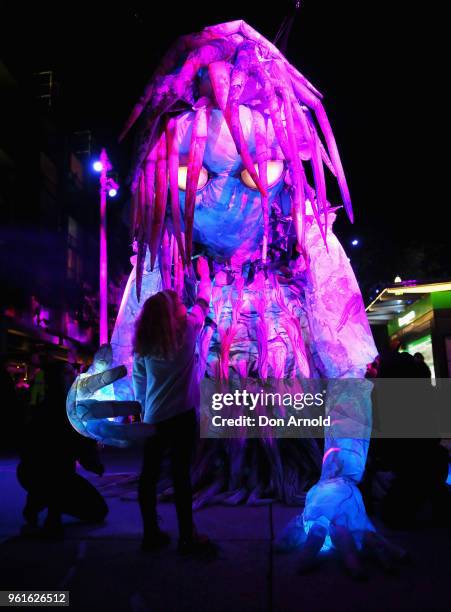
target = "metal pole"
x: 103, y: 284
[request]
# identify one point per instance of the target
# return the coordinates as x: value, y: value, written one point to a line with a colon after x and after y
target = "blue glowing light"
x: 98, y: 166
x: 355, y: 242
x: 112, y: 193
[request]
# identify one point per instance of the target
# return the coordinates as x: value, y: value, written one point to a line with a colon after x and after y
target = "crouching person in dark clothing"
x: 47, y: 468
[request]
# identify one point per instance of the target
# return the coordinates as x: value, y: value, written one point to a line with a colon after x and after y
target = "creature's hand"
x: 90, y: 416
x: 335, y: 516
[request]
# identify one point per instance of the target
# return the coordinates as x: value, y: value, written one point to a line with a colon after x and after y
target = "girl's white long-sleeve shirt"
x: 168, y: 387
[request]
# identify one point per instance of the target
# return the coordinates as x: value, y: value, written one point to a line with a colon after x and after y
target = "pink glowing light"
x: 333, y: 449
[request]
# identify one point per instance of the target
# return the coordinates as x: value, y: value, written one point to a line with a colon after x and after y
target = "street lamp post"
x: 107, y: 187
x: 103, y: 283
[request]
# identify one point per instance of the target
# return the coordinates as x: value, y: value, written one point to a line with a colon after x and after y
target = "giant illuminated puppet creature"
x: 232, y: 150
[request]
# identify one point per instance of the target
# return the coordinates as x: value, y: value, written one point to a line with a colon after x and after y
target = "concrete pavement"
x: 103, y: 567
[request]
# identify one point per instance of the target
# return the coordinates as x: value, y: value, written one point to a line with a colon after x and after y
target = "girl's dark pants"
x: 176, y: 435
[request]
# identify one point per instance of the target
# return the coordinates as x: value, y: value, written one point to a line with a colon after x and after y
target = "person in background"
x: 423, y: 369
x: 165, y: 380
x: 419, y: 465
x: 47, y: 467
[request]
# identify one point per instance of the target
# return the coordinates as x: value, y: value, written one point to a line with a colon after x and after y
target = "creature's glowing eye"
x: 273, y: 173
x: 183, y: 175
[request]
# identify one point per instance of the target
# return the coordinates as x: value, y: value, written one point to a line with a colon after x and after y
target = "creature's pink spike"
x: 160, y: 199
x: 318, y: 175
x: 214, y: 51
x: 196, y: 156
x: 238, y: 80
x: 312, y: 102
x: 179, y: 86
x: 165, y: 259
x: 297, y: 77
x: 259, y: 303
x: 183, y: 46
x: 141, y: 232
x: 173, y: 163
x: 180, y: 276
x: 298, y: 206
x: 268, y: 49
x: 219, y: 73
x: 274, y: 111
x: 262, y: 157
x: 309, y: 131
x: 177, y: 271
x: 174, y: 260
x: 135, y: 203
x: 140, y: 258
x: 149, y: 176
x: 326, y: 158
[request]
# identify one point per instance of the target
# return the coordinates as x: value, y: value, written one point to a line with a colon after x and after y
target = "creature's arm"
x: 90, y: 416
x: 334, y: 512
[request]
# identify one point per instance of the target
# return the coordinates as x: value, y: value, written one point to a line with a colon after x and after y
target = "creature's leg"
x: 343, y: 345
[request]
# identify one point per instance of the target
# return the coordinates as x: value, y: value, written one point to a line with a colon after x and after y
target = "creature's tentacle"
x: 140, y: 221
x: 326, y: 158
x: 261, y: 326
x: 149, y: 173
x: 135, y: 205
x: 213, y: 51
x: 293, y: 328
x: 265, y: 46
x: 227, y: 335
x: 165, y: 258
x: 298, y: 203
x: 312, y: 102
x: 262, y: 157
x: 238, y: 80
x: 178, y: 271
x: 180, y: 48
x: 173, y: 164
x: 196, y: 155
x: 318, y: 175
x: 273, y: 106
x: 161, y: 194
x: 319, y: 195
x: 219, y: 73
x: 179, y: 86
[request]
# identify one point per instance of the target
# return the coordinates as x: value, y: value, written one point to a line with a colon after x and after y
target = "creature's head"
x: 230, y: 131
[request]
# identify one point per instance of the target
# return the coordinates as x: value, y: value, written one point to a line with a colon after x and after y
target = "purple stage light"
x: 112, y: 193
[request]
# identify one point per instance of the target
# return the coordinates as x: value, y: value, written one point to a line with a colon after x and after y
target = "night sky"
x: 375, y: 66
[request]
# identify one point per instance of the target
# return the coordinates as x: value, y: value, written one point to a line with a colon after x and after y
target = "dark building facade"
x: 49, y: 217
